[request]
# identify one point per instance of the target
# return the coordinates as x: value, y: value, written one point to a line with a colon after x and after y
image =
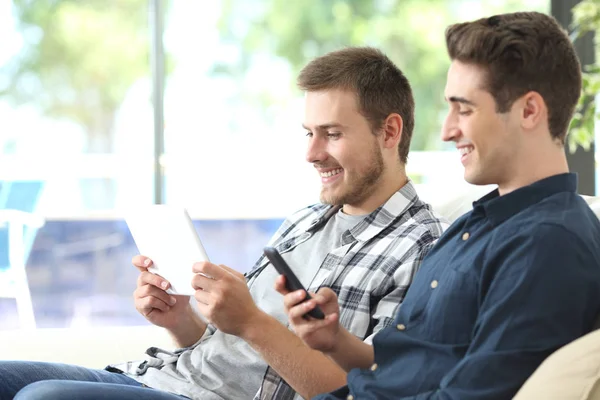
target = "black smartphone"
x: 291, y: 280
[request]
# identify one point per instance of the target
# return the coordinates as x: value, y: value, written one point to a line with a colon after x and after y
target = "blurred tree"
x: 410, y: 32
x: 78, y: 60
x: 586, y: 18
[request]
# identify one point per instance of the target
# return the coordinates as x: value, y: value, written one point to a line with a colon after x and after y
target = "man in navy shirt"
x: 518, y: 276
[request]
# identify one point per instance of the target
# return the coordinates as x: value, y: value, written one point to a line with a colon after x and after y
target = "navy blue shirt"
x: 506, y: 285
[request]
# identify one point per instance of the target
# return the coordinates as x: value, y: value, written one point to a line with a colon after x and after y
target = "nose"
x: 315, y: 152
x: 450, y: 129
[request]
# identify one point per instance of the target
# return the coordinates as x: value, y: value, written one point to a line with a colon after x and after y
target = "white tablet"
x: 166, y: 234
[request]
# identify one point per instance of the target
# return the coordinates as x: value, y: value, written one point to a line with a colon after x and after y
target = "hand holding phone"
x: 292, y: 282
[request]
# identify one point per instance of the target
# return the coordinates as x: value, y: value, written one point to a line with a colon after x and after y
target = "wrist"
x: 339, y: 343
x: 256, y: 326
x: 189, y: 328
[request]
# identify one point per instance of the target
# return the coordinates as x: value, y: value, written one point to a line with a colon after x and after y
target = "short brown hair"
x: 381, y: 87
x: 522, y: 52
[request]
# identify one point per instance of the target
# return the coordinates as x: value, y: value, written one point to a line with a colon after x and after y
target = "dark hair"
x: 381, y: 87
x: 522, y: 52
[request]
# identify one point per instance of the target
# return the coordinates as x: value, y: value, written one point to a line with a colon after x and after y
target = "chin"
x: 328, y: 198
x: 472, y: 178
x: 333, y: 199
x: 477, y: 179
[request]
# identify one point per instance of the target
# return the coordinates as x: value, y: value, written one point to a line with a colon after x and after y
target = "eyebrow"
x: 456, y: 99
x: 325, y: 127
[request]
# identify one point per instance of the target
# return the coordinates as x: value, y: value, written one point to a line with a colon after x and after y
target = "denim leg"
x: 60, y: 390
x: 14, y: 375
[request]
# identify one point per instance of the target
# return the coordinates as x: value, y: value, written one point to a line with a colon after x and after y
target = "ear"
x: 392, y: 131
x: 534, y: 110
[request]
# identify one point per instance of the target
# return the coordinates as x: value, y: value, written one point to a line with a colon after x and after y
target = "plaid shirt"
x: 370, y: 272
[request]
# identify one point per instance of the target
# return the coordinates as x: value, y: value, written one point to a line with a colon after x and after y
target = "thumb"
x: 332, y: 318
x: 325, y: 295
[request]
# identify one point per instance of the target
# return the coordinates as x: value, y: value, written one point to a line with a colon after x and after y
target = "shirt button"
x: 350, y: 397
x: 401, y: 327
x: 434, y: 284
x: 465, y: 236
x: 373, y: 367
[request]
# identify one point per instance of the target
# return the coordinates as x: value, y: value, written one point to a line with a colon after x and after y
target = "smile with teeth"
x: 331, y: 173
x: 465, y: 150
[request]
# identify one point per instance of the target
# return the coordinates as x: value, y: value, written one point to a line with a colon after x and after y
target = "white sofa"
x: 89, y: 347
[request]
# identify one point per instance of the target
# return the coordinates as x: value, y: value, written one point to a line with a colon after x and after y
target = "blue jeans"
x: 37, y: 380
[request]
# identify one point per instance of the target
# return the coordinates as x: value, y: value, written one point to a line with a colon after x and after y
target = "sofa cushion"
x: 570, y: 373
x: 594, y: 203
x: 453, y: 205
x: 90, y: 346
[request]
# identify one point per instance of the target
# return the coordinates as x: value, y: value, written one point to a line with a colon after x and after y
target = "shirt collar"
x: 499, y: 208
x: 383, y: 216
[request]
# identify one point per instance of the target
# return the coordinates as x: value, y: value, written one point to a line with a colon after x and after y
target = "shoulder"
x: 545, y: 259
x: 309, y: 212
x: 562, y: 219
x: 412, y: 233
x: 301, y: 217
x: 548, y: 246
x: 422, y: 214
x: 419, y: 223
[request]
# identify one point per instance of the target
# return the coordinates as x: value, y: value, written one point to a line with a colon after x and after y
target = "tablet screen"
x: 166, y: 234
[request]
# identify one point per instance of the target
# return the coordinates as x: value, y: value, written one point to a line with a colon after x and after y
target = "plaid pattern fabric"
x: 370, y: 272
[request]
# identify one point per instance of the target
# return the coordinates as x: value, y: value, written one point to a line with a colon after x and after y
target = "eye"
x: 464, y: 112
x: 333, y: 135
x: 309, y: 134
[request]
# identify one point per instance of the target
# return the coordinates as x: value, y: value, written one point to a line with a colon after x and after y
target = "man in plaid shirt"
x: 365, y: 241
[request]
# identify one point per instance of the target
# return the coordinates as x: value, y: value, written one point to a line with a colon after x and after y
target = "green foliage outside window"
x: 586, y: 19
x: 78, y: 60
x: 410, y: 32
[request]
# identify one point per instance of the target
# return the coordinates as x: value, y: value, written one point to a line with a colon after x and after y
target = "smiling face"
x: 342, y: 147
x: 489, y: 142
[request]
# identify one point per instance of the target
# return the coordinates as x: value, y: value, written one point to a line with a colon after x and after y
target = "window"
x: 76, y: 116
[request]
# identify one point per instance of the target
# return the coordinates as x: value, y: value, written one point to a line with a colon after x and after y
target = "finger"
x: 210, y: 269
x: 301, y: 309
x: 201, y: 282
x: 332, y: 317
x: 327, y: 292
x: 152, y: 291
x: 280, y: 285
x: 148, y: 278
x: 148, y: 304
x: 202, y: 297
x: 292, y: 299
x: 141, y: 262
x: 313, y: 325
x: 320, y: 299
x: 325, y: 295
x: 233, y: 272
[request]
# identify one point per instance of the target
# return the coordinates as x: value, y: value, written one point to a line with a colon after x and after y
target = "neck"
x: 542, y: 163
x: 392, y: 180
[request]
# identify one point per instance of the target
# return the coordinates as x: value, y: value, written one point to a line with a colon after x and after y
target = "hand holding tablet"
x: 167, y: 236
